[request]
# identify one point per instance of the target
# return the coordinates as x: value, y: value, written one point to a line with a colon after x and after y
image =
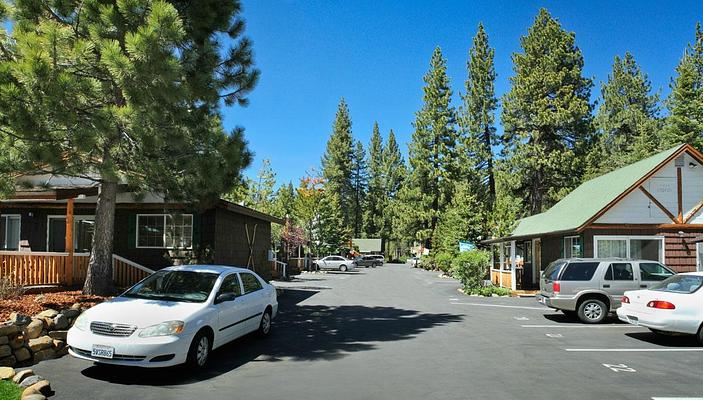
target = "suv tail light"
x: 625, y: 300
x: 664, y: 305
x: 556, y: 287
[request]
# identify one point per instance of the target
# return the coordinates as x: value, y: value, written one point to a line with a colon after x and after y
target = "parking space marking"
x: 619, y: 368
x: 521, y: 319
x: 676, y: 349
x: 554, y: 335
x: 454, y: 299
x: 581, y: 326
x: 677, y: 398
x: 503, y: 306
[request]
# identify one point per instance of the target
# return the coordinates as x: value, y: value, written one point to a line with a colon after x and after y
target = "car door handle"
x: 606, y: 286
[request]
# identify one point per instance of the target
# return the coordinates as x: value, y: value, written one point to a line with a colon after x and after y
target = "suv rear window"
x: 552, y: 271
x: 579, y: 271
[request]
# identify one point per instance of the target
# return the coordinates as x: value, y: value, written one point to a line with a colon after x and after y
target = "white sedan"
x: 176, y: 315
x: 335, y: 263
x: 672, y: 306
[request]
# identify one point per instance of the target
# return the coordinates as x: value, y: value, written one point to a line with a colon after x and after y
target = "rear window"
x: 680, y: 284
x: 552, y: 271
x: 579, y: 271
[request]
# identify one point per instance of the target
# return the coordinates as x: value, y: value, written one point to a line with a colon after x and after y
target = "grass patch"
x: 9, y: 391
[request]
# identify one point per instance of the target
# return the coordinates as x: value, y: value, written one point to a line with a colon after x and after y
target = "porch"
x: 516, y: 264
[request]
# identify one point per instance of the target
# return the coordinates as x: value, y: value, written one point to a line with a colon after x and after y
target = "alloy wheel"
x: 593, y: 311
x: 203, y: 351
x: 266, y: 323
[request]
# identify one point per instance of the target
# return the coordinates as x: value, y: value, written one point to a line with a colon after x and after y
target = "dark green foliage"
x: 471, y: 269
x: 360, y: 181
x: 337, y: 162
x: 333, y: 235
x: 546, y: 116
x: 9, y: 390
x: 461, y: 220
x: 376, y: 198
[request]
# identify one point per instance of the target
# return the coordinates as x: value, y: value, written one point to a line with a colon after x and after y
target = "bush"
x: 9, y: 290
x: 443, y: 261
x: 470, y: 268
x: 427, y: 262
x: 489, y: 291
x: 9, y: 390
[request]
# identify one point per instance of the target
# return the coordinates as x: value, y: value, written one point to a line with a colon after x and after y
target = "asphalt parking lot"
x: 395, y: 332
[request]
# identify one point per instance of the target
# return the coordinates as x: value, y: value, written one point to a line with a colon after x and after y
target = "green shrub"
x: 427, y: 262
x: 443, y: 261
x: 470, y: 268
x: 10, y: 391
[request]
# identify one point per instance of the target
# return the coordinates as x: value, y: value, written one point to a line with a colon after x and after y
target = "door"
x: 230, y: 313
x: 537, y: 259
x: 618, y: 278
x: 57, y: 235
x: 253, y: 301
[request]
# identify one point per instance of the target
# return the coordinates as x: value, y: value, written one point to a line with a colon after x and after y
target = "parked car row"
x: 339, y: 263
x: 641, y: 292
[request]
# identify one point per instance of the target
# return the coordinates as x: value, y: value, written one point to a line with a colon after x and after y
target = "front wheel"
x: 343, y: 268
x: 592, y: 311
x: 700, y: 335
x: 199, y: 351
x: 265, y: 324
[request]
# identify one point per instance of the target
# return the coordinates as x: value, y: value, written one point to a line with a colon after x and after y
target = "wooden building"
x: 647, y: 210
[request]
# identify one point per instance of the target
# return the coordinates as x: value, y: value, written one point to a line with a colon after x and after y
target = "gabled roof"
x: 588, y: 201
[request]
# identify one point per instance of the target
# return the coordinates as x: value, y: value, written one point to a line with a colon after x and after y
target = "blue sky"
x: 374, y: 54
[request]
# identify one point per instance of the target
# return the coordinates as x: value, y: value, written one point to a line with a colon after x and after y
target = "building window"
x: 165, y: 231
x: 83, y: 228
x: 10, y: 227
x: 636, y: 247
x: 572, y: 247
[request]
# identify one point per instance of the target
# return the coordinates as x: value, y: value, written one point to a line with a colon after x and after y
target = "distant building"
x: 367, y: 246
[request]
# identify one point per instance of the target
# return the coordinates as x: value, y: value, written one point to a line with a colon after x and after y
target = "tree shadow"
x: 300, y: 333
x: 665, y: 340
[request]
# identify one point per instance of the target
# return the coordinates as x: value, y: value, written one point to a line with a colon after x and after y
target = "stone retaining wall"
x: 28, y: 340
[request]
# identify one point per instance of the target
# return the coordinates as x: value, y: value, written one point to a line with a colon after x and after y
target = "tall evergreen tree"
x: 282, y: 206
x: 627, y: 118
x: 360, y: 180
x: 478, y: 132
x: 432, y: 160
x: 337, y: 162
x: 394, y: 174
x: 546, y: 116
x: 257, y: 193
x: 126, y: 92
x: 685, y: 103
x: 376, y: 198
x: 333, y: 236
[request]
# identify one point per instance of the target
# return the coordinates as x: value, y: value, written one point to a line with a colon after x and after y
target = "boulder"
x: 48, y: 322
x: 6, y: 373
x: 48, y: 313
x: 33, y: 396
x: 42, y: 387
x: 33, y: 330
x: 22, y: 354
x: 8, y: 361
x: 20, y: 319
x: 58, y: 335
x: 4, y: 340
x: 8, y: 329
x: 30, y: 380
x: 17, y: 342
x: 60, y: 322
x: 71, y: 312
x: 61, y: 352
x: 40, y: 343
x: 46, y: 354
x: 22, y: 375
x: 58, y: 344
x: 5, y: 351
x: 76, y: 306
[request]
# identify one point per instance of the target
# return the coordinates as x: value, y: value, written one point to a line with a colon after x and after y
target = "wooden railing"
x: 50, y: 268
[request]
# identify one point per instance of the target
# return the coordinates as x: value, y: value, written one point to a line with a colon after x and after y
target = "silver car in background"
x: 334, y: 263
x: 590, y: 288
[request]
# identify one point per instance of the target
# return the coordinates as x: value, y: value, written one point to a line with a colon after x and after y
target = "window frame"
x: 612, y: 275
x: 7, y: 226
x: 570, y: 240
x: 76, y: 218
x: 165, y: 226
x: 627, y: 239
x: 239, y: 281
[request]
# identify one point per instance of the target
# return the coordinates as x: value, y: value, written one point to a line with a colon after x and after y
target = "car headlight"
x: 163, y: 329
x: 81, y: 323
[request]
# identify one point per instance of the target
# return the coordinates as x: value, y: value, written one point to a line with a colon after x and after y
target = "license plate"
x: 633, y: 320
x: 102, y: 351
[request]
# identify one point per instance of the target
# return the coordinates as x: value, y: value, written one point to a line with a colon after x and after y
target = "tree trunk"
x: 99, y: 278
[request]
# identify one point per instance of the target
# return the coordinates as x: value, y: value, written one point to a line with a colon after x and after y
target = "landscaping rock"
x: 30, y: 380
x: 48, y: 322
x: 5, y: 351
x: 49, y: 313
x: 76, y: 306
x: 6, y: 373
x: 33, y: 396
x: 22, y: 354
x: 17, y: 342
x: 58, y: 344
x: 20, y: 319
x: 42, y: 387
x: 46, y: 354
x: 4, y: 340
x: 33, y: 330
x: 8, y: 329
x: 60, y: 322
x: 8, y: 361
x: 71, y: 312
x: 40, y: 343
x: 58, y: 335
x: 22, y: 375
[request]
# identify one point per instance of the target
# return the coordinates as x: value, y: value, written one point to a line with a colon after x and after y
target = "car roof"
x: 218, y: 269
x: 604, y: 259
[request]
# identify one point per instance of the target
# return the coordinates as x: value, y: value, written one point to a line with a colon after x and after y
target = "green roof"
x: 587, y: 200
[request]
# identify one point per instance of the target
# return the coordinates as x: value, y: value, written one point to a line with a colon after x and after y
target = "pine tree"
x: 360, y: 179
x: 126, y: 92
x: 546, y: 116
x: 394, y: 174
x: 459, y: 221
x: 333, y: 237
x: 478, y: 133
x: 376, y: 198
x: 432, y: 160
x: 258, y: 193
x: 627, y: 120
x: 282, y: 206
x: 337, y: 162
x: 685, y: 103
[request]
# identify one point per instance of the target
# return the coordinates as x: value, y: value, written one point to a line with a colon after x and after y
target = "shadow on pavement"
x: 665, y: 340
x: 564, y: 319
x: 300, y: 333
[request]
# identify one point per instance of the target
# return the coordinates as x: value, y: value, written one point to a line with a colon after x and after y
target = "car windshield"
x: 680, y: 284
x: 182, y: 286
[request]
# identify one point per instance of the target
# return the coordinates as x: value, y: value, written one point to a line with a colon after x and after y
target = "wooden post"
x: 679, y: 192
x: 69, y: 242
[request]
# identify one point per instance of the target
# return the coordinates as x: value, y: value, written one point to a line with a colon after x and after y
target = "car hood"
x: 142, y: 312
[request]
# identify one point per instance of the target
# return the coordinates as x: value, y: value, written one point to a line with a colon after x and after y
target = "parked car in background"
x: 590, y: 288
x: 672, y: 306
x: 333, y: 263
x: 379, y: 257
x: 176, y: 315
x: 367, y: 261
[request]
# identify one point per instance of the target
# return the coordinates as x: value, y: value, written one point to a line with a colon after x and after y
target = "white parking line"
x: 581, y: 326
x: 677, y: 398
x: 675, y: 349
x: 502, y: 306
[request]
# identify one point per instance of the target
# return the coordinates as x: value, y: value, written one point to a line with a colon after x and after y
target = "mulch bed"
x: 31, y: 304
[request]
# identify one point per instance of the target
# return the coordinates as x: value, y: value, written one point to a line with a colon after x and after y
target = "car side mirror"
x: 222, y: 297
